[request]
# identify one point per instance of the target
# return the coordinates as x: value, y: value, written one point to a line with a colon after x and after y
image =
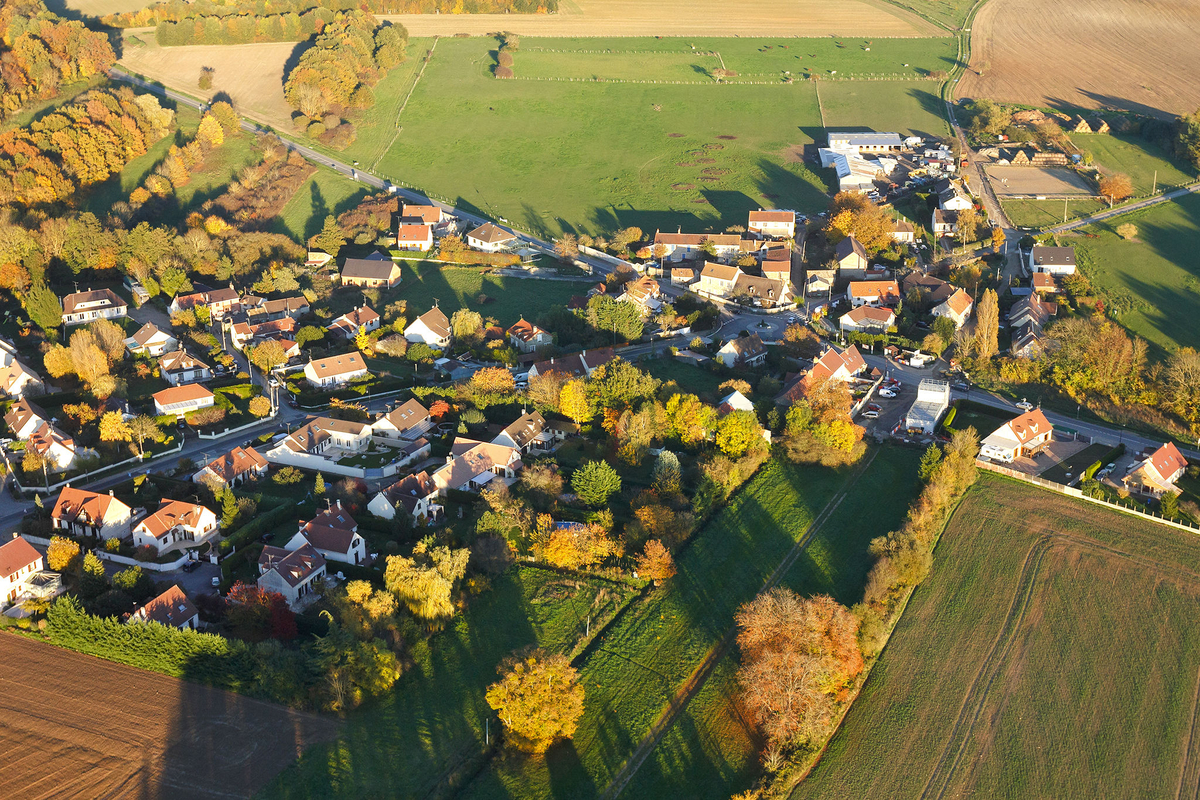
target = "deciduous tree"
x: 143, y: 427
x: 987, y: 325
x: 62, y: 555
x: 1116, y: 187
x: 114, y: 428
x: 539, y: 700
x: 425, y: 582
x: 575, y: 402
x: 655, y: 562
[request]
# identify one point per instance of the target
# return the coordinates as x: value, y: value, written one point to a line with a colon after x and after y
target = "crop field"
x: 1008, y: 181
x: 1157, y: 272
x: 1050, y: 653
x: 101, y: 729
x: 950, y: 14
x: 1048, y: 213
x: 1136, y: 55
x: 813, y: 18
x: 712, y: 749
x: 1135, y: 157
x: 650, y: 652
x: 902, y: 106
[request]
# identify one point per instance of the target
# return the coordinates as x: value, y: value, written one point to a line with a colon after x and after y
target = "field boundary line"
x: 820, y: 108
x: 960, y: 735
x: 1188, y: 761
x: 700, y: 675
x: 404, y: 105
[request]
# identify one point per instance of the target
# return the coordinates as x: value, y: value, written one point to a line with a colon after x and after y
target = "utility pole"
x: 1155, y: 189
x: 1064, y: 209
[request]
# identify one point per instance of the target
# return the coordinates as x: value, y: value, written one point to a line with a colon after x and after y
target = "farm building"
x: 866, y: 142
x: 933, y: 398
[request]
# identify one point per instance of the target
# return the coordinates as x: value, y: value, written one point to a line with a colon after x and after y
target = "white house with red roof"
x: 176, y: 525
x: 867, y: 319
x: 431, y: 328
x: 82, y: 513
x: 58, y: 449
x: 414, y: 236
x: 1017, y: 438
x: 335, y: 370
x: 179, y: 367
x: 24, y: 417
x: 415, y: 495
x: 1157, y: 472
x: 19, y: 563
x: 334, y: 534
x: 182, y: 400
x: 780, y: 224
x: 349, y: 324
x: 233, y: 468
x: 956, y: 308
x: 527, y: 337
x: 873, y: 293
x: 171, y: 608
x: 842, y: 366
x: 491, y: 238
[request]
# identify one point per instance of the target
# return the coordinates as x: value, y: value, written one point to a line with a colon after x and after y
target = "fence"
x: 1073, y: 492
x: 56, y: 486
x: 152, y: 566
x: 256, y: 423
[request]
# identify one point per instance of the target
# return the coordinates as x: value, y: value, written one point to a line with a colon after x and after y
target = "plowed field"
x: 79, y: 727
x: 1137, y: 55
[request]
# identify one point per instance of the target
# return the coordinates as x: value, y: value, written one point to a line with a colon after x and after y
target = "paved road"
x: 352, y: 172
x: 1116, y: 212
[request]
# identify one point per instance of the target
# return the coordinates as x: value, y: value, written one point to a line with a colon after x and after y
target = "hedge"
x: 949, y: 417
x: 257, y: 527
x: 202, y: 657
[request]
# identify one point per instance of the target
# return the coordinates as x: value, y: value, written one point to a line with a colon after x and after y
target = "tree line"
x: 39, y: 52
x: 176, y: 10
x: 245, y: 28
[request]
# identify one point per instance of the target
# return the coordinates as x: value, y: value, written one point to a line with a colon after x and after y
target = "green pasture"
x: 1048, y: 213
x: 326, y: 192
x: 1135, y: 157
x: 1047, y: 660
x: 907, y: 107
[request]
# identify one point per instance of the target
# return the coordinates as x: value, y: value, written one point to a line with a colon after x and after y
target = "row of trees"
x: 176, y: 10
x: 81, y: 143
x: 245, y: 28
x: 175, y: 170
x: 40, y: 52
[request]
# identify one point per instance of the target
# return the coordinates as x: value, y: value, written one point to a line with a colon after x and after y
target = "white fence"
x: 103, y: 555
x: 248, y: 425
x: 75, y: 478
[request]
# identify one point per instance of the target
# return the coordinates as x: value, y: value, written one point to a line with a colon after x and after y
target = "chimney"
x: 110, y: 493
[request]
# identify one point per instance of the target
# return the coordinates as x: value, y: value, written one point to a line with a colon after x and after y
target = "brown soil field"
x: 251, y: 74
x: 686, y: 18
x: 1016, y: 181
x: 1137, y: 55
x: 80, y: 727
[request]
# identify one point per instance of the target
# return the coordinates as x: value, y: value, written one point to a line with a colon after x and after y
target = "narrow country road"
x: 1116, y: 212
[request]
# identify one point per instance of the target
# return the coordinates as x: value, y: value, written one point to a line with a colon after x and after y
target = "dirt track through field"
x: 1137, y: 55
x: 80, y: 727
x: 685, y: 18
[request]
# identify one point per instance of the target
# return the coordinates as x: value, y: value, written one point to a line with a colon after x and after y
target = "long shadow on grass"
x: 930, y: 103
x: 787, y: 189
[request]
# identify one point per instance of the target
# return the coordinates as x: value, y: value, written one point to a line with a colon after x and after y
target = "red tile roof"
x: 16, y: 556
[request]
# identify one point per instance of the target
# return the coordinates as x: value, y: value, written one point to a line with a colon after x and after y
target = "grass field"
x: 903, y: 106
x: 1048, y: 213
x: 1136, y: 158
x: 949, y: 13
x: 1050, y: 653
x: 652, y: 649
x: 712, y: 749
x: 432, y: 723
x: 323, y: 194
x: 1158, y: 270
x: 690, y: 377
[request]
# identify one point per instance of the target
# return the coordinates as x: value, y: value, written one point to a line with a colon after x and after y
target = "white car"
x: 1025, y: 405
x: 886, y: 393
x: 871, y: 414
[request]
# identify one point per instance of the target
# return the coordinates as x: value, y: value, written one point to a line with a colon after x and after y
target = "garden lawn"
x: 554, y: 156
x: 690, y: 377
x: 906, y: 107
x: 1050, y: 653
x: 1156, y: 275
x: 431, y: 725
x: 712, y: 749
x: 323, y: 194
x: 980, y: 417
x: 1136, y: 158
x: 639, y: 664
x: 1048, y: 213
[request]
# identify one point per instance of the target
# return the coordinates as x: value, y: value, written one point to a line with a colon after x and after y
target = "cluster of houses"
x: 1029, y: 316
x: 863, y: 159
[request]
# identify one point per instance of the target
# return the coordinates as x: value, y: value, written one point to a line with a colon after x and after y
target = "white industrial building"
x: 933, y: 398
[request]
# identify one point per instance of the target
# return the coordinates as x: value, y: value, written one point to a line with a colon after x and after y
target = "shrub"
x: 504, y: 72
x: 505, y: 59
x: 314, y: 129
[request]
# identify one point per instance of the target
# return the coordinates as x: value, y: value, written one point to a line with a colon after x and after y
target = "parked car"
x: 888, y: 393
x: 189, y: 566
x: 962, y: 387
x: 216, y: 582
x: 266, y: 537
x: 871, y: 414
x: 874, y: 407
x: 1025, y: 405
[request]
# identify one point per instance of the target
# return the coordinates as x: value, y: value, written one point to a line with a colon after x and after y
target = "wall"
x: 150, y: 566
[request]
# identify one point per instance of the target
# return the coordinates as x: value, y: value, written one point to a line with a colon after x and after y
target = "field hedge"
x: 202, y: 657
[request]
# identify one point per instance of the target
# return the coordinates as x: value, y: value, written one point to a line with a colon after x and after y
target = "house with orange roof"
x: 1017, y: 438
x: 20, y: 562
x: 780, y: 224
x: 182, y: 400
x: 472, y: 464
x: 873, y: 293
x: 527, y: 337
x: 956, y: 308
x: 335, y: 370
x: 867, y: 319
x: 349, y: 324
x: 234, y: 468
x: 175, y: 526
x: 1157, y: 472
x: 171, y: 608
x: 78, y: 512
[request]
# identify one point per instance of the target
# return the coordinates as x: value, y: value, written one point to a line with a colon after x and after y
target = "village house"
x: 530, y: 434
x: 867, y: 319
x: 234, y: 468
x: 290, y: 348
x: 1026, y: 320
x: 243, y: 333
x: 1053, y: 260
x: 1157, y: 472
x: 472, y: 464
x: 90, y: 306
x: 414, y: 236
x: 734, y: 401
x: 527, y: 337
x: 681, y: 276
x: 410, y: 420
x: 1021, y: 437
x: 171, y: 608
x: 780, y: 271
x: 81, y: 513
x: 370, y: 273
x: 349, y: 324
x: 717, y: 279
x: 415, y: 495
x: 257, y: 310
x: 490, y: 238
x: 175, y: 526
x: 219, y: 302
x: 956, y: 308
x: 333, y: 533
x: 763, y: 292
x: 681, y: 246
x: 873, y: 293
x: 428, y: 214
x: 575, y: 365
x: 309, y: 446
x: 178, y: 367
x: 643, y: 293
x: 945, y: 223
x: 18, y: 380
x: 851, y: 258
x: 931, y: 290
x: 904, y: 232
x: 819, y: 282
x: 1044, y: 283
x: 744, y: 351
x: 335, y: 370
x: 431, y: 328
x: 150, y: 341
x: 779, y: 224
x: 19, y: 563
x: 290, y: 573
x: 23, y: 418
x: 842, y: 366
x: 951, y: 197
x: 55, y: 447
x: 182, y: 400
